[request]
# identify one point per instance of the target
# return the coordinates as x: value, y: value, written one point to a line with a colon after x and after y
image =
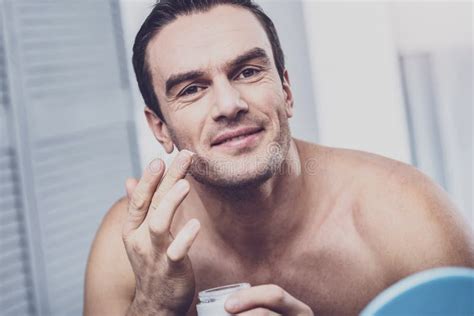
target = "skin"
x: 323, y: 235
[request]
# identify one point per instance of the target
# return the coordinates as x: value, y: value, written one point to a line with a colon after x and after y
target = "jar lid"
x: 218, y: 293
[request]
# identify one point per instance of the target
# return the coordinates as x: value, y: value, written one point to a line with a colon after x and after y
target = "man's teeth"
x: 235, y: 138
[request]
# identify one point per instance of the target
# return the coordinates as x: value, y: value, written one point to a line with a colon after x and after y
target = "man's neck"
x: 255, y: 221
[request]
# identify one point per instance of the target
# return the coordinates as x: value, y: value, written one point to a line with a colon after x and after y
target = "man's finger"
x: 130, y: 185
x: 159, y: 220
x: 177, y: 170
x: 269, y: 296
x: 140, y: 195
x: 180, y: 246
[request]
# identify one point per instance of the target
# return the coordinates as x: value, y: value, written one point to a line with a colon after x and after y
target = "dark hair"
x: 166, y: 11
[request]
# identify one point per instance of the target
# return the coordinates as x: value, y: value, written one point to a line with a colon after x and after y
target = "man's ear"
x: 288, y: 94
x: 159, y: 129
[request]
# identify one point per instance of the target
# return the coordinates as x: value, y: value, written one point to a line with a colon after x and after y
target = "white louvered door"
x: 15, y: 285
x: 67, y: 144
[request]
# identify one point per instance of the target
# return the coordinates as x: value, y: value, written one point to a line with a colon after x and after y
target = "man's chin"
x: 246, y: 167
x: 234, y: 172
x: 235, y: 181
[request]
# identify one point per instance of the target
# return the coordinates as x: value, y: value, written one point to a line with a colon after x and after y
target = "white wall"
x: 420, y: 26
x: 356, y: 75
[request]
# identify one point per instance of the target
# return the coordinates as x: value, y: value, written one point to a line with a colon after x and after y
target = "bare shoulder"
x: 403, y: 216
x: 408, y: 220
x: 341, y: 159
x: 110, y: 282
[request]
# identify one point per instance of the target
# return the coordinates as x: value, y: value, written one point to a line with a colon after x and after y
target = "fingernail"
x: 155, y: 166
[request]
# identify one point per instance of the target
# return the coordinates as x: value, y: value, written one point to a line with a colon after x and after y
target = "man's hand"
x: 266, y: 300
x: 164, y: 277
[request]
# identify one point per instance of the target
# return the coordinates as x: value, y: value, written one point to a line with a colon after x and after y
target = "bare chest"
x: 334, y: 275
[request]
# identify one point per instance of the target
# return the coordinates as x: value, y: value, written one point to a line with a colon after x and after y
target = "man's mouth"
x: 237, y: 137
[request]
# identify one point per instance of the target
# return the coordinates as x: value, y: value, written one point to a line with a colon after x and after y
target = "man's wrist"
x: 142, y: 307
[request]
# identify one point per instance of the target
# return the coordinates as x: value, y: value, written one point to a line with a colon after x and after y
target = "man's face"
x: 215, y: 77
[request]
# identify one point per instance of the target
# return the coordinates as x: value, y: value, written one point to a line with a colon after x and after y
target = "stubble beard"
x: 243, y: 174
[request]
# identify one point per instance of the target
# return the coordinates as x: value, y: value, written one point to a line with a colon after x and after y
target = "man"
x: 315, y: 230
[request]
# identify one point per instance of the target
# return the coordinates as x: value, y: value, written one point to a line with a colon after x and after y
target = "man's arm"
x: 414, y: 226
x: 110, y: 281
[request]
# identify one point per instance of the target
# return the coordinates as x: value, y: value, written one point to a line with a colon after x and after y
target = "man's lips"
x: 228, y: 135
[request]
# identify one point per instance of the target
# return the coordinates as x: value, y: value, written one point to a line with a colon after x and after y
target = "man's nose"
x: 227, y: 102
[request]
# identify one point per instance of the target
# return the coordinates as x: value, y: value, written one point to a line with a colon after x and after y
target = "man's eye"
x: 249, y: 72
x: 191, y: 90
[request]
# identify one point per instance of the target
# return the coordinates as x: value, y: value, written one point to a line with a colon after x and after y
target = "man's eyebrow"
x: 175, y: 80
x: 253, y: 53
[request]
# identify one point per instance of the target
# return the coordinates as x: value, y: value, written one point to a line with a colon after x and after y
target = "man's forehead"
x: 205, y: 40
